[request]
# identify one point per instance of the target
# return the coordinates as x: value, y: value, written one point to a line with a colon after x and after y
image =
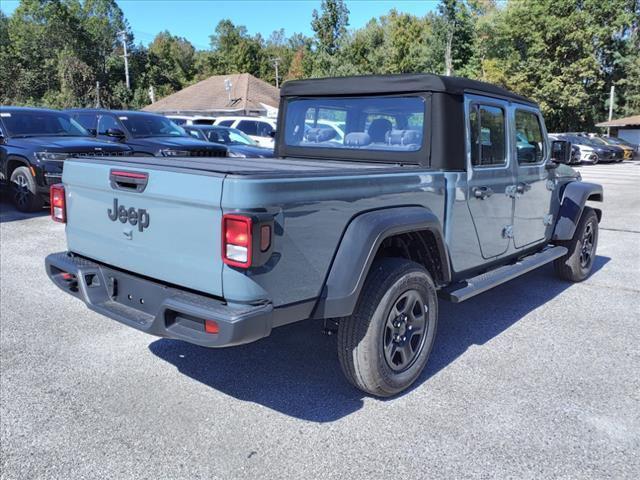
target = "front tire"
x: 24, y: 192
x: 384, y: 346
x: 577, y: 264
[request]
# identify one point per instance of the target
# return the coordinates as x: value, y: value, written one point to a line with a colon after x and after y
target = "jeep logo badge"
x: 134, y: 216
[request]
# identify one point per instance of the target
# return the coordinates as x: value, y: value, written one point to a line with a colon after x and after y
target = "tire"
x: 23, y: 191
x: 577, y: 264
x: 380, y: 348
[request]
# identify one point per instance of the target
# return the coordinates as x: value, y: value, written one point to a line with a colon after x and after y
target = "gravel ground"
x: 535, y: 379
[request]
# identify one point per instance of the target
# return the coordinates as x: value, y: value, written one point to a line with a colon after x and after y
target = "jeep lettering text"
x: 138, y: 217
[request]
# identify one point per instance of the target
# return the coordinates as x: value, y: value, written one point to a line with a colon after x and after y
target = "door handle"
x: 523, y: 187
x: 482, y: 192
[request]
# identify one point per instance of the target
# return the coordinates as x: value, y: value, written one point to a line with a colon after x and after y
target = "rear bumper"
x: 155, y: 308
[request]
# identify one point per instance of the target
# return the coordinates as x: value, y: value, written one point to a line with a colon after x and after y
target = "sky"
x: 196, y: 19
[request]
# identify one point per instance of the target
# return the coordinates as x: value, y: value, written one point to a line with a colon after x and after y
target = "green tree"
x: 535, y: 49
x: 170, y: 62
x: 330, y: 28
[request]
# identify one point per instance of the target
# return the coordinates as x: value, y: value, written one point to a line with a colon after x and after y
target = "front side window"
x: 196, y: 133
x: 106, y: 123
x: 264, y: 129
x: 229, y: 136
x: 87, y: 120
x: 149, y: 125
x: 225, y: 123
x: 38, y: 123
x: 487, y: 135
x: 356, y: 123
x: 529, y: 140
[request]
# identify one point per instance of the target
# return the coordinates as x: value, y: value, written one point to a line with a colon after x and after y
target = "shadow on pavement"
x: 295, y: 371
x: 8, y: 212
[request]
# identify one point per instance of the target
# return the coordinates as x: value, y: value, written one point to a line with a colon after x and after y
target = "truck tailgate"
x: 168, y: 231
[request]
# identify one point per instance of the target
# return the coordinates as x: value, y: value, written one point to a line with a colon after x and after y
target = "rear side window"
x: 225, y: 123
x: 529, y: 140
x: 487, y: 135
x: 356, y: 123
x: 249, y: 127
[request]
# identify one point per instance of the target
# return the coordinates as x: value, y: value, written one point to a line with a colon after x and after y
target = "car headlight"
x: 169, y: 152
x: 51, y: 156
x: 231, y: 153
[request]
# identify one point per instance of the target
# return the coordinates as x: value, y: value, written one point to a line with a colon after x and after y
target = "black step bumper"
x: 156, y: 308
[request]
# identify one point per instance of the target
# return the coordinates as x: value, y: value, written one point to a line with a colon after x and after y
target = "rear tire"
x: 577, y: 264
x: 24, y: 192
x: 384, y: 346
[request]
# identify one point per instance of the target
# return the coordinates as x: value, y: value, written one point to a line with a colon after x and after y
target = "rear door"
x: 532, y: 221
x: 489, y: 173
x: 169, y: 230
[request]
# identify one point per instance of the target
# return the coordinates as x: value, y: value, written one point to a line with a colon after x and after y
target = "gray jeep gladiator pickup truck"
x: 440, y: 187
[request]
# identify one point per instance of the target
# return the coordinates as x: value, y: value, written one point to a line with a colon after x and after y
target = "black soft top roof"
x: 403, y: 83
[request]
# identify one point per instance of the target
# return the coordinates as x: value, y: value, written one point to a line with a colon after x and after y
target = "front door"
x: 532, y: 221
x: 489, y: 174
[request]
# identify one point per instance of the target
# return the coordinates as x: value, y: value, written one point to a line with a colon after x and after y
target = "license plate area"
x: 136, y: 293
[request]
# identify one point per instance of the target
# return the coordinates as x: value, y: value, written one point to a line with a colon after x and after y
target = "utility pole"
x: 276, y: 62
x: 123, y: 37
x: 611, y: 99
x: 97, y: 94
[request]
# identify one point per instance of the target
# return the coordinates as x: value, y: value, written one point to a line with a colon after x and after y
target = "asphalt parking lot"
x: 535, y: 379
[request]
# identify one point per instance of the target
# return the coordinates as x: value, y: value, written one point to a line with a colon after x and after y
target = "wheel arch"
x: 13, y: 162
x: 412, y: 232
x: 574, y: 199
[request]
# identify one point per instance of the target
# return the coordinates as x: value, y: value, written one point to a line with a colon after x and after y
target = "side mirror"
x: 3, y: 140
x: 273, y: 134
x: 115, y: 132
x: 561, y: 151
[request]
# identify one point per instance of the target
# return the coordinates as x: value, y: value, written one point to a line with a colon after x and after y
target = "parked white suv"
x: 260, y: 129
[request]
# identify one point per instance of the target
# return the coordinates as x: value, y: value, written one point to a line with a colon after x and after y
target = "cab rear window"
x: 377, y: 123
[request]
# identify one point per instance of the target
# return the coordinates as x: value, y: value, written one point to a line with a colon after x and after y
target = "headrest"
x: 320, y: 134
x: 403, y: 137
x: 357, y: 139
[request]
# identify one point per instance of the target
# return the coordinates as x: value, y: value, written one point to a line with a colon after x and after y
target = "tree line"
x: 565, y: 54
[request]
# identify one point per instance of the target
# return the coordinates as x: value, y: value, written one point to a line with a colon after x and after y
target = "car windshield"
x: 356, y: 123
x: 229, y: 136
x: 598, y: 141
x: 149, y: 125
x: 619, y: 141
x: 37, y: 123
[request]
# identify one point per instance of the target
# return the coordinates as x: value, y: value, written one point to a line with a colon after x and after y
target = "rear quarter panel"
x: 311, y: 215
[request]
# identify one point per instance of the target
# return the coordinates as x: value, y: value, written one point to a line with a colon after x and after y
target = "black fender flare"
x: 574, y: 199
x: 13, y: 158
x: 358, y: 248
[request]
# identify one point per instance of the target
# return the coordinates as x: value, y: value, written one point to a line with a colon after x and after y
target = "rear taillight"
x: 237, y: 240
x: 58, y: 203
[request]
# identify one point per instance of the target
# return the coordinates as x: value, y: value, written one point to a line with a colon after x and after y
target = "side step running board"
x: 483, y: 282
